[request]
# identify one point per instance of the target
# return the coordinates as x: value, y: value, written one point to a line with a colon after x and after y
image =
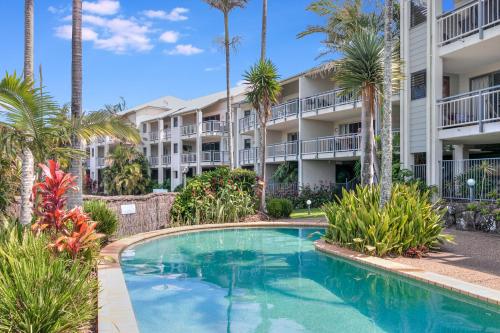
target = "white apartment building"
x: 448, y: 111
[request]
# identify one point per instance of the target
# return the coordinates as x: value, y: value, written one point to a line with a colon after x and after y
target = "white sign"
x: 128, y: 209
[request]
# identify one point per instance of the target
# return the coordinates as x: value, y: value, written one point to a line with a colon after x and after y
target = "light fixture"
x: 308, y: 202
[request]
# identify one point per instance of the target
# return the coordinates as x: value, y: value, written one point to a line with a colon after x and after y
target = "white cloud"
x: 102, y: 7
x: 215, y: 68
x: 65, y: 31
x: 170, y: 37
x: 240, y: 83
x: 125, y: 35
x: 176, y: 14
x: 185, y: 49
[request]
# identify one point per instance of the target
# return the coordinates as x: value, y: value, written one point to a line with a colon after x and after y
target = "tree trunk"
x: 27, y: 160
x: 264, y: 31
x: 262, y: 146
x: 386, y: 172
x: 228, y: 92
x: 75, y: 198
x: 367, y: 135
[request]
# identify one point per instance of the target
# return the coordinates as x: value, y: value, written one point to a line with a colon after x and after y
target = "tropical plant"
x: 106, y: 219
x: 42, y: 292
x: 226, y: 7
x: 262, y: 92
x: 278, y: 208
x: 10, y: 170
x: 408, y: 221
x: 287, y: 173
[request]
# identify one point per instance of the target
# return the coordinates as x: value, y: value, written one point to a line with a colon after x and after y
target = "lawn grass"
x: 303, y: 213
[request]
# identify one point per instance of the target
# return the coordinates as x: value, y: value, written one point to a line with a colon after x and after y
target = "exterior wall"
x: 317, y: 172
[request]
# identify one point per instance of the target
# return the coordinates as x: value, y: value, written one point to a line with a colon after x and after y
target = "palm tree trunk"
x: 75, y: 198
x: 264, y: 31
x: 367, y: 135
x: 228, y: 91
x: 386, y: 174
x: 27, y: 160
x: 262, y: 145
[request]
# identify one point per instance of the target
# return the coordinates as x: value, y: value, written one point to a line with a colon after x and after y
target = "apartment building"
x: 448, y: 112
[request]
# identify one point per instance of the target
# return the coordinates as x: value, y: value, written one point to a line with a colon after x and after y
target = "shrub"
x: 408, y: 221
x: 42, y: 292
x: 279, y: 208
x: 98, y: 211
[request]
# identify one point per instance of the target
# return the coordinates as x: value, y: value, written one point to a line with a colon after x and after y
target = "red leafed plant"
x: 72, y: 230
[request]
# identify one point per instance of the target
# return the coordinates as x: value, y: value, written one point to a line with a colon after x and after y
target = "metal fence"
x: 188, y: 158
x: 282, y: 149
x: 456, y: 173
x: 329, y: 99
x: 188, y: 130
x: 332, y: 144
x: 289, y: 109
x: 214, y: 156
x: 248, y: 155
x: 247, y: 123
x: 167, y: 159
x: 419, y: 172
x: 214, y: 126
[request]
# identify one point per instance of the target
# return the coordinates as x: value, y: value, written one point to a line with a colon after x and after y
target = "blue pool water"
x: 272, y: 280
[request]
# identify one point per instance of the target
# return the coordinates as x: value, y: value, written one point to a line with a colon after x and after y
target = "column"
x: 199, y: 122
x: 237, y: 137
x: 160, y: 151
x: 406, y: 157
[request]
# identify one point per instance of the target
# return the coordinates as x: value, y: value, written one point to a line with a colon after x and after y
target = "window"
x: 418, y: 12
x: 247, y: 113
x: 144, y: 150
x: 352, y: 128
x: 176, y: 149
x: 92, y: 152
x: 210, y: 146
x: 292, y: 137
x: 176, y: 174
x: 176, y: 122
x: 247, y: 143
x: 212, y: 118
x: 418, y: 85
x: 144, y: 128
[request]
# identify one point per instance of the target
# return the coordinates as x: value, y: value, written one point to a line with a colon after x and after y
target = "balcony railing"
x: 329, y: 99
x: 188, y: 158
x: 469, y: 19
x: 471, y: 108
x: 188, y: 130
x: 153, y: 135
x: 101, y: 161
x: 154, y: 160
x: 419, y: 172
x: 248, y: 155
x: 214, y: 127
x: 285, y: 110
x: 166, y: 134
x: 247, y: 123
x: 166, y: 159
x: 332, y: 144
x: 285, y: 149
x: 214, y: 156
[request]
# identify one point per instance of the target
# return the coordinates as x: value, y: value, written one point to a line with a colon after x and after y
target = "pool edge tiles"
x: 455, y: 285
x: 115, y: 313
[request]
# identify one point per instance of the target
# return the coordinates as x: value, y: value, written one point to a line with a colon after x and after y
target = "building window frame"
x: 418, y: 85
x: 418, y: 12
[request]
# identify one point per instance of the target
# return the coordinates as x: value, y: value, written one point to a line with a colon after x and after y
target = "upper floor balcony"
x: 188, y: 158
x: 247, y: 124
x: 153, y: 135
x: 214, y: 128
x: 329, y: 101
x: 154, y: 161
x: 285, y: 111
x: 285, y: 151
x: 248, y: 156
x: 189, y: 130
x: 166, y: 160
x: 101, y: 162
x: 332, y: 146
x: 213, y: 157
x: 473, y: 112
x: 166, y: 134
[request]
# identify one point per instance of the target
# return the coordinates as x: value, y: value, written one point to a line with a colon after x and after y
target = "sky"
x: 145, y: 49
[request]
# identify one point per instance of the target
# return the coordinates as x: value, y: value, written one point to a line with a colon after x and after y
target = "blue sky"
x: 142, y: 50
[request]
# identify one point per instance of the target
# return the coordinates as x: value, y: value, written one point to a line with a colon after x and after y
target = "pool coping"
x: 115, y: 313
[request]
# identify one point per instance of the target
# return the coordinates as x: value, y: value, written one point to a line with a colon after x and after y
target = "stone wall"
x: 152, y: 211
x: 477, y: 216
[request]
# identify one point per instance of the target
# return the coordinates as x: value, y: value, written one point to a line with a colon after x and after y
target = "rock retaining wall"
x: 477, y: 216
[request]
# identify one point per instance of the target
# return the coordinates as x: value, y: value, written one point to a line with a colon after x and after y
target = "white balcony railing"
x: 247, y: 123
x: 214, y: 127
x: 476, y: 107
x: 154, y: 160
x: 153, y: 136
x: 166, y: 134
x: 329, y: 99
x: 285, y: 149
x: 332, y: 144
x: 188, y: 158
x: 472, y: 18
x: 248, y: 155
x: 101, y: 161
x: 214, y: 156
x: 188, y: 130
x: 166, y: 159
x: 285, y: 110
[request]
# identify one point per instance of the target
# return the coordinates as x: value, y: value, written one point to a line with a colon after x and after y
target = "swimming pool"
x: 272, y: 280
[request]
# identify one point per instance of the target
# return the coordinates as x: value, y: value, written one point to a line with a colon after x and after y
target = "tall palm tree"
x: 263, y: 44
x: 226, y: 6
x: 263, y: 91
x: 386, y: 174
x: 361, y: 72
x: 75, y: 198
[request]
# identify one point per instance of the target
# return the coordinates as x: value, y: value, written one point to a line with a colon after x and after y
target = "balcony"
x: 472, y: 18
x: 166, y: 134
x: 154, y: 161
x: 332, y: 146
x: 214, y: 157
x: 188, y: 158
x: 247, y: 124
x: 153, y: 136
x: 101, y: 140
x: 282, y: 151
x: 189, y: 130
x: 285, y: 111
x: 248, y: 156
x: 101, y: 162
x: 477, y: 108
x: 214, y: 128
x: 166, y: 159
x: 331, y: 99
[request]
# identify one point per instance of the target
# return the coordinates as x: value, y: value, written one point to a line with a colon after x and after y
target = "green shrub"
x: 42, y: 292
x: 107, y: 221
x: 279, y: 208
x: 408, y: 221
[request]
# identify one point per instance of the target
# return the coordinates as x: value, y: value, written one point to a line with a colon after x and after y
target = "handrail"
x: 468, y: 94
x: 456, y: 9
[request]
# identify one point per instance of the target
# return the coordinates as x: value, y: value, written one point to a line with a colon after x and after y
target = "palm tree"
x: 75, y: 198
x: 226, y: 6
x: 361, y: 72
x: 264, y: 31
x: 386, y: 170
x: 263, y: 91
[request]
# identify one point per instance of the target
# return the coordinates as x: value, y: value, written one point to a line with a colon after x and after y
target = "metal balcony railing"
x: 166, y: 159
x: 475, y: 107
x: 332, y: 144
x: 101, y: 161
x: 154, y: 160
x: 188, y: 158
x: 285, y: 110
x: 466, y: 20
x: 214, y: 127
x: 166, y: 134
x: 247, y: 123
x: 419, y: 172
x: 188, y: 130
x: 153, y: 135
x: 285, y: 149
x: 214, y: 156
x: 333, y: 99
x: 248, y: 155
